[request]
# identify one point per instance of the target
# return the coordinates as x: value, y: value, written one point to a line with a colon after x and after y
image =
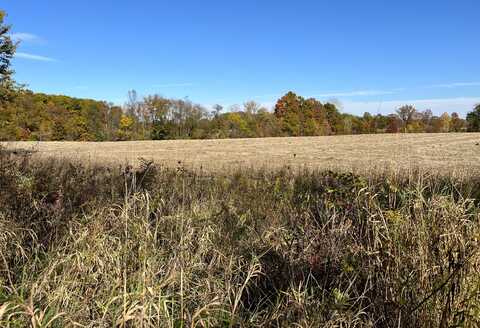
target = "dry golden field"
x: 440, y: 152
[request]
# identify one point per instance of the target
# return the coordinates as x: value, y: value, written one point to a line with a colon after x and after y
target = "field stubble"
x: 438, y: 152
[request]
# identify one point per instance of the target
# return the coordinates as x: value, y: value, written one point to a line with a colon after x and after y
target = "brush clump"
x: 102, y: 246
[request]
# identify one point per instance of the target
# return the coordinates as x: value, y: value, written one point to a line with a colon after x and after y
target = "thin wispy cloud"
x: 346, y: 94
x: 359, y: 93
x: 25, y: 37
x: 438, y: 105
x: 366, y: 93
x: 28, y: 56
x: 173, y: 85
x: 461, y: 105
x: 455, y: 85
x: 270, y: 95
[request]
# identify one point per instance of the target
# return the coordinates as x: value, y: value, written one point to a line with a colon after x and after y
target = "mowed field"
x: 440, y: 152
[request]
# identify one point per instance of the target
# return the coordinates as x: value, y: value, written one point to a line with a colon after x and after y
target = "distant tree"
x: 427, y: 116
x: 157, y: 113
x: 114, y: 116
x: 251, y: 107
x: 290, y: 102
x: 132, y: 103
x: 426, y: 119
x: 367, y: 123
x: 334, y: 118
x: 299, y: 116
x: 217, y: 110
x: 473, y: 120
x: 135, y: 108
x: 76, y: 127
x: 416, y: 126
x: 126, y: 122
x: 288, y: 110
x: 126, y: 126
x: 267, y: 124
x: 436, y: 125
x: 58, y: 132
x: 440, y: 124
x: 457, y: 123
x: 313, y: 118
x: 380, y: 122
x: 406, y: 114
x: 347, y: 124
x: 237, y: 125
x: 445, y: 122
x: 160, y: 131
x: 393, y: 125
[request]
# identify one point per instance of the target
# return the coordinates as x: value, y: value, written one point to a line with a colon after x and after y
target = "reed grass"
x: 86, y: 245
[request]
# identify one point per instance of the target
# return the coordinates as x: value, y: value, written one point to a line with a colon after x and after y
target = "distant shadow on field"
x: 18, y: 151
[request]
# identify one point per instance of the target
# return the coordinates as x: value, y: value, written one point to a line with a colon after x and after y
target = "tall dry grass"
x: 93, y: 246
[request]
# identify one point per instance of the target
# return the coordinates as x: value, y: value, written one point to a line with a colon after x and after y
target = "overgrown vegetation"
x: 152, y: 246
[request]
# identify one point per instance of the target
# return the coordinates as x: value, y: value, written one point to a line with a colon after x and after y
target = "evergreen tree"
x: 473, y: 119
x: 7, y: 51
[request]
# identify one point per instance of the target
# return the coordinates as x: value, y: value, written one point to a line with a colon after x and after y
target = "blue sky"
x: 367, y: 55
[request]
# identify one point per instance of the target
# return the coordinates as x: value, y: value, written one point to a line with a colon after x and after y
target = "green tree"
x: 267, y: 124
x: 367, y: 123
x: 158, y: 111
x: 334, y: 118
x: 381, y: 122
x: 473, y: 120
x: 76, y: 127
x: 237, y: 125
x: 299, y: 116
x: 58, y: 132
x: 7, y: 51
x: 288, y: 111
x: 415, y: 126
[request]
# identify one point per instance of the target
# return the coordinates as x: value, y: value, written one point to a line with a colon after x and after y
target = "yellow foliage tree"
x: 445, y: 121
x: 126, y: 122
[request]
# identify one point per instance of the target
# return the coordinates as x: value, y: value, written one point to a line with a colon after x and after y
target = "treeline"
x: 36, y: 116
x: 298, y: 116
x: 25, y: 115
